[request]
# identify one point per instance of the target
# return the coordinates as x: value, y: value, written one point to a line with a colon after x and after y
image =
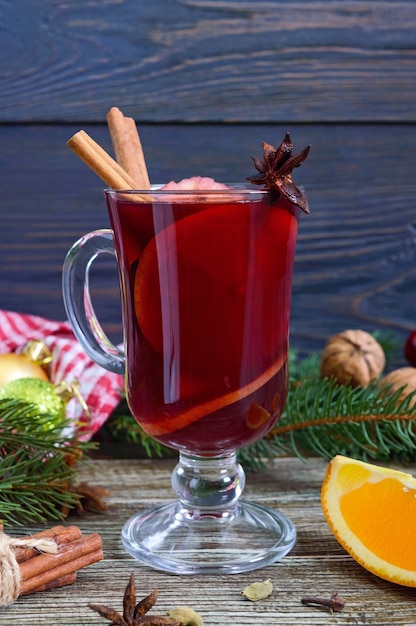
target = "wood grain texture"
x: 317, y: 564
x: 356, y: 255
x: 208, y: 60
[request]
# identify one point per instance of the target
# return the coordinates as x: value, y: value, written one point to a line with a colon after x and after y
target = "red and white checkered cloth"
x: 100, y: 389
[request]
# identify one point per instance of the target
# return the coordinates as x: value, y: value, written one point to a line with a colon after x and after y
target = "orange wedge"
x: 372, y: 512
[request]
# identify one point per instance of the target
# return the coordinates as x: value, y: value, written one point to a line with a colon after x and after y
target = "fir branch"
x: 255, y: 456
x: 121, y: 426
x: 36, y: 468
x: 303, y: 368
x: 324, y: 418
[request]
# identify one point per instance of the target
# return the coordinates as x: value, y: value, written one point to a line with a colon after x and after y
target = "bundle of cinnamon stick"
x: 41, y: 571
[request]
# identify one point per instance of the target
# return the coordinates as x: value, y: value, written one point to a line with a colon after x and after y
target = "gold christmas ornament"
x: 37, y: 351
x: 353, y: 358
x: 14, y: 366
x: 404, y: 376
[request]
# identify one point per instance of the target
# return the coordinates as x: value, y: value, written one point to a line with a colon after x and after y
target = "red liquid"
x: 206, y: 300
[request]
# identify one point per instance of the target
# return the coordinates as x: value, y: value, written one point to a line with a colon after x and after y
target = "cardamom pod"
x: 258, y: 591
x: 186, y: 616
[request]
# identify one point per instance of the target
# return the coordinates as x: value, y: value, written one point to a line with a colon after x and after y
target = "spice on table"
x: 258, y: 590
x: 186, y: 616
x: 334, y: 604
x: 91, y: 498
x: 45, y: 560
x: 61, y: 535
x: 134, y: 614
x: 46, y: 568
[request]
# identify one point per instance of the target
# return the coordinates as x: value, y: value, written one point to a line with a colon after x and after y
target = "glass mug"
x: 205, y: 280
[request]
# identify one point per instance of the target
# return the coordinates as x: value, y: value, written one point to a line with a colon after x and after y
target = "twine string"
x: 10, y: 576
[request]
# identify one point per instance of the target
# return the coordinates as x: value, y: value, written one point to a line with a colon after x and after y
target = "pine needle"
x: 324, y: 418
x: 121, y: 426
x: 35, y: 475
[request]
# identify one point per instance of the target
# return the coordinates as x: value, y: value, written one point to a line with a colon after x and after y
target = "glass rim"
x: 232, y: 188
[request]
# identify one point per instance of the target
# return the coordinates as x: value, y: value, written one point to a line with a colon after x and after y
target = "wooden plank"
x: 208, y: 60
x: 317, y: 565
x: 356, y: 254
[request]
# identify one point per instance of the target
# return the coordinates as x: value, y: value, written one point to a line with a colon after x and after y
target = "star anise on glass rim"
x: 275, y: 171
x: 134, y: 614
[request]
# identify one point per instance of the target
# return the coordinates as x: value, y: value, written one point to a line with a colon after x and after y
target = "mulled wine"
x: 206, y: 280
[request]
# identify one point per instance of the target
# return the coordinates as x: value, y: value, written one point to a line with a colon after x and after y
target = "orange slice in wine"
x: 212, y: 291
x: 190, y: 289
x: 163, y: 425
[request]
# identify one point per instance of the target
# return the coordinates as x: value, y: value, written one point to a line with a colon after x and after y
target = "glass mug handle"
x: 77, y: 299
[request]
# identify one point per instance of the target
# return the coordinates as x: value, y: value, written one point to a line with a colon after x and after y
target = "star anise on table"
x: 134, y: 614
x: 275, y: 171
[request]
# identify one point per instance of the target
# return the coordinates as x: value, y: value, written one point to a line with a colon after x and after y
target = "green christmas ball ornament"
x: 43, y: 394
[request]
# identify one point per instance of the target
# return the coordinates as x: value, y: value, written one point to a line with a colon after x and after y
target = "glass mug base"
x: 209, y: 529
x: 180, y: 541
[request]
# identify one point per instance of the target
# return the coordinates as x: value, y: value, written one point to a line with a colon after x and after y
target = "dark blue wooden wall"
x: 208, y: 81
x: 208, y: 60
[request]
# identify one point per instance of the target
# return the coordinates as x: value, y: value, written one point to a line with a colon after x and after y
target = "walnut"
x: 400, y: 377
x: 353, y: 357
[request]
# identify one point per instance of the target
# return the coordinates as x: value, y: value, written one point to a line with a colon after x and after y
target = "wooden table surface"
x: 316, y: 566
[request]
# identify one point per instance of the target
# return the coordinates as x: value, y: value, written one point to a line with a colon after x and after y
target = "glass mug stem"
x: 206, y: 486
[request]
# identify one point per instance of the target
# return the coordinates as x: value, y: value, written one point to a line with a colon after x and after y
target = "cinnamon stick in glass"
x: 100, y: 161
x: 127, y: 147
